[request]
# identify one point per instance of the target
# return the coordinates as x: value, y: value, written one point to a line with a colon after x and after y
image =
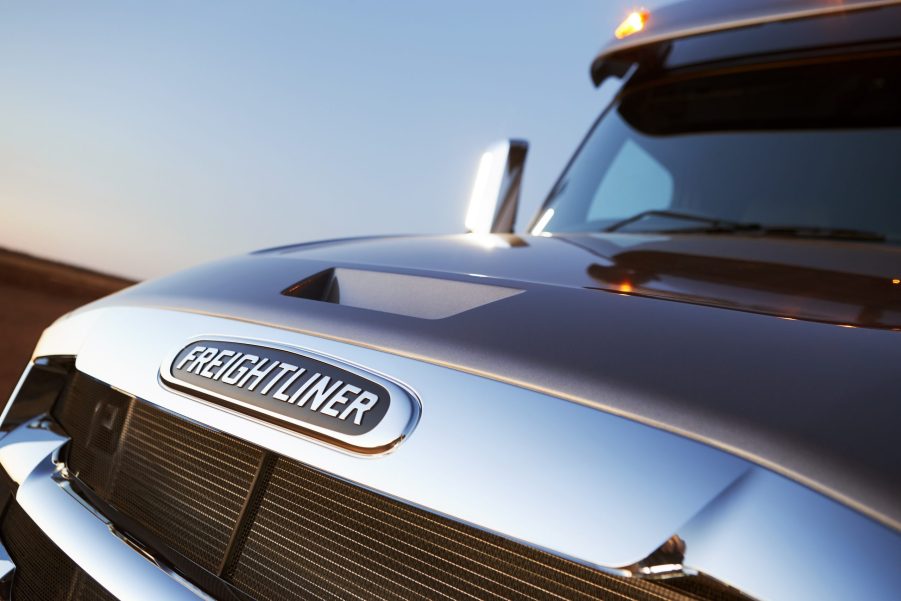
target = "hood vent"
x: 408, y: 295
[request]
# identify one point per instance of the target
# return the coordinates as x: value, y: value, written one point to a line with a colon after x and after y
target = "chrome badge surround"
x: 395, y: 425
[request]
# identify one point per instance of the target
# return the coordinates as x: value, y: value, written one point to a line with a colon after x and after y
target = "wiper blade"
x: 825, y: 233
x: 724, y: 226
x: 713, y: 224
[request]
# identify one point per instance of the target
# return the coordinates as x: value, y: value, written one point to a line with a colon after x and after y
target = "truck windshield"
x: 809, y: 151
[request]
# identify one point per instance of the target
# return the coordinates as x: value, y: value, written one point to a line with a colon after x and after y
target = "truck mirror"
x: 495, y: 194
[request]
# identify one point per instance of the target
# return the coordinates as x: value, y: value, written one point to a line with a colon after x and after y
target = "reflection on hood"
x: 693, y: 269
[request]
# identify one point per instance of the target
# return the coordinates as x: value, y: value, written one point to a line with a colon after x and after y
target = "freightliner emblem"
x: 297, y: 390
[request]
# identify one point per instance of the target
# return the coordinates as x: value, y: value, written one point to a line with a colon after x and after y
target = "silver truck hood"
x: 571, y: 419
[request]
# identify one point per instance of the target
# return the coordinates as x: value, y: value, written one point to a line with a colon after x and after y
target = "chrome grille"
x: 250, y: 524
x: 316, y: 536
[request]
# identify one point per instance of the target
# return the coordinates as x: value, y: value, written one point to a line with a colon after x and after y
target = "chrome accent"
x: 26, y: 447
x: 667, y: 561
x: 560, y: 476
x: 396, y: 425
x: 87, y: 539
x: 495, y: 194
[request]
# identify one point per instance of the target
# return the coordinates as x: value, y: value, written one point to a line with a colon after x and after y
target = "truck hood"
x: 781, y: 352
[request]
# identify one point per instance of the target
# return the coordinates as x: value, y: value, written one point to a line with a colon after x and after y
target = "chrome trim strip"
x: 686, y: 32
x: 395, y: 427
x: 89, y: 541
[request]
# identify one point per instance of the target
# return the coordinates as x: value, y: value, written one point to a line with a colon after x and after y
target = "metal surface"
x: 777, y: 540
x: 618, y: 489
x: 74, y: 528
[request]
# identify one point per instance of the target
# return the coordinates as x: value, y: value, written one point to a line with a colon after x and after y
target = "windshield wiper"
x: 724, y: 226
x: 825, y: 233
x: 713, y: 224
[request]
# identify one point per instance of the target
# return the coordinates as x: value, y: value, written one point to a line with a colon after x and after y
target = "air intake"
x: 400, y: 294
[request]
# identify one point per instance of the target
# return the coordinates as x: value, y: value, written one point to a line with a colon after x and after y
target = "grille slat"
x: 274, y: 529
x: 186, y: 439
x: 414, y: 581
x: 179, y: 480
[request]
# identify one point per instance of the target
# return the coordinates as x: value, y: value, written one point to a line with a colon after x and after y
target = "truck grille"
x: 270, y: 528
x: 332, y: 540
x: 184, y: 483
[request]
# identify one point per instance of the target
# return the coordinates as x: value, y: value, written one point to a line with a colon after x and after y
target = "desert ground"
x: 33, y: 293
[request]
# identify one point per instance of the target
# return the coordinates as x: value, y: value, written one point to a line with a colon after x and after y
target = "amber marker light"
x: 632, y: 24
x: 896, y: 281
x: 625, y: 287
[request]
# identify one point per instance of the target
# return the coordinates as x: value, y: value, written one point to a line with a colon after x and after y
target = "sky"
x: 138, y: 138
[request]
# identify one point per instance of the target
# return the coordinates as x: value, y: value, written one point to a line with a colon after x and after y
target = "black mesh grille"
x: 250, y: 524
x: 93, y: 415
x: 186, y: 484
x: 43, y: 571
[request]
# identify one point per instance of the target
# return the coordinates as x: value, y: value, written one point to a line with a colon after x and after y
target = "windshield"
x: 791, y: 150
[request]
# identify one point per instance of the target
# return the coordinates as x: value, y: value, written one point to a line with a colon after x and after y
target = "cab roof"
x: 689, y: 18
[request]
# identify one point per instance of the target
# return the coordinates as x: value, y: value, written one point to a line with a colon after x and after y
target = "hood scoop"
x: 408, y: 295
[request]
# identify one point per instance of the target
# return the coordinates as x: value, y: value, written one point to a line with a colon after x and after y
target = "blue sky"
x: 140, y: 138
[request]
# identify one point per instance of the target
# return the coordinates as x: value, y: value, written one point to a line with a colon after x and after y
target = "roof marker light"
x: 632, y: 24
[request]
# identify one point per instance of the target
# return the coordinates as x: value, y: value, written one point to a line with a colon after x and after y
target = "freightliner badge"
x: 299, y: 391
